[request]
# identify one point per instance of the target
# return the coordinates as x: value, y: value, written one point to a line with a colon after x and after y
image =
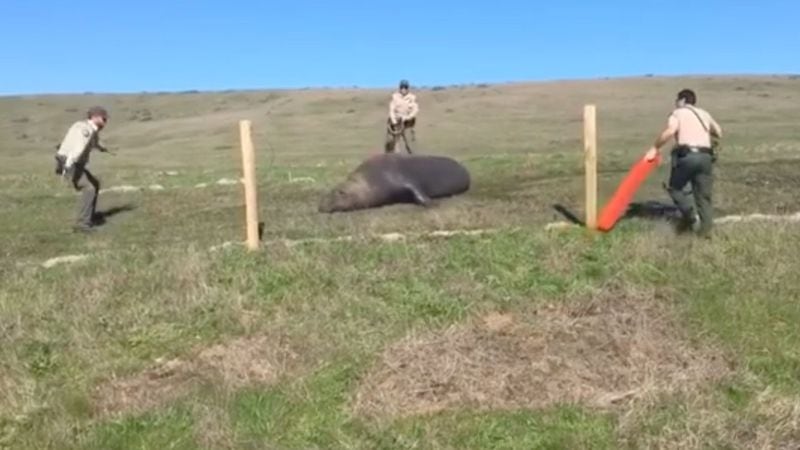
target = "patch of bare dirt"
x: 603, y: 353
x: 237, y: 363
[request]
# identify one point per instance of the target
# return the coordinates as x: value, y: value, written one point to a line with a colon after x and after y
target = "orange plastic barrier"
x: 618, y: 204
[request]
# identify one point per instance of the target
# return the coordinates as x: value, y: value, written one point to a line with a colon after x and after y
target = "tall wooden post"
x: 590, y: 163
x: 250, y: 193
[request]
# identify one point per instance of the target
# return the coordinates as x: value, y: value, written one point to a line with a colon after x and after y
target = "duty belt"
x: 683, y: 150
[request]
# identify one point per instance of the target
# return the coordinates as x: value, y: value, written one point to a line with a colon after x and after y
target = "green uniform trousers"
x: 89, y: 187
x: 695, y: 168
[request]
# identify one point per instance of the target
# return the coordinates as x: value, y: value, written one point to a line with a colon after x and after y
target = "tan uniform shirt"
x: 688, y: 127
x: 79, y: 141
x: 403, y: 107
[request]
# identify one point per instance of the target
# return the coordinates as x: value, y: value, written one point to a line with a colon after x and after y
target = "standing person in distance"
x: 403, y: 110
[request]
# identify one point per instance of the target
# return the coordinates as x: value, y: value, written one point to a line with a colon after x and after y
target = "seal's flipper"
x: 419, y: 197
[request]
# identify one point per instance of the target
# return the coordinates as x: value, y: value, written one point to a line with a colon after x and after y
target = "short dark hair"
x: 687, y: 95
x: 97, y: 111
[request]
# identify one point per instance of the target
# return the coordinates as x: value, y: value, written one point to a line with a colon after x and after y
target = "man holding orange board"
x: 692, y: 160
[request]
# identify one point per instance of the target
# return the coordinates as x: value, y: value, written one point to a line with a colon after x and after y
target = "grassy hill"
x: 518, y: 338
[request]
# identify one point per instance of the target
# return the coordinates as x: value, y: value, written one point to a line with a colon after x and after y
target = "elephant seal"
x: 390, y: 178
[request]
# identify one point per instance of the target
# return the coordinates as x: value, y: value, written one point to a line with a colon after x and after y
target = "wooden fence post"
x: 250, y: 192
x: 590, y: 163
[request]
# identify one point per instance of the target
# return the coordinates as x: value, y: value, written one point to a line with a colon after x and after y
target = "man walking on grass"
x: 72, y: 158
x: 692, y: 160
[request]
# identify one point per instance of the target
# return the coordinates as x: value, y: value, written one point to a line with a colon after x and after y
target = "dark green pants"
x: 694, y: 168
x: 89, y: 186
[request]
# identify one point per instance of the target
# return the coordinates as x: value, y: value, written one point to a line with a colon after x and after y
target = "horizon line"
x: 426, y: 86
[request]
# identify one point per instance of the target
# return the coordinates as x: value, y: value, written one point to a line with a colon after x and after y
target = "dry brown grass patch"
x: 18, y: 403
x: 230, y: 365
x: 772, y: 421
x: 213, y: 428
x: 618, y: 348
x: 780, y: 422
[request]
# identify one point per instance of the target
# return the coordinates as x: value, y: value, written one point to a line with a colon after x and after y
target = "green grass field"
x: 519, y: 338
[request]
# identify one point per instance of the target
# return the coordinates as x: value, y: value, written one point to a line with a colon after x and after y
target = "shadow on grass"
x: 569, y: 215
x: 651, y: 210
x: 101, y: 217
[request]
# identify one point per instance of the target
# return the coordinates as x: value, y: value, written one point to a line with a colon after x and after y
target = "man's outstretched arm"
x: 663, y: 138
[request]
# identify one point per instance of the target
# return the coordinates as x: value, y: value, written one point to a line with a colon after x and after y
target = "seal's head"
x: 335, y: 200
x: 351, y: 194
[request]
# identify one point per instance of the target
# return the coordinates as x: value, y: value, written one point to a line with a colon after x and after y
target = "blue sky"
x: 49, y: 46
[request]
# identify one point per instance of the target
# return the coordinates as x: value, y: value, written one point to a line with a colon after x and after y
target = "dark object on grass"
x: 387, y: 179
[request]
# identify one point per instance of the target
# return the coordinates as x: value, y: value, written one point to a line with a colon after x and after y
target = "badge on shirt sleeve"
x: 85, y: 133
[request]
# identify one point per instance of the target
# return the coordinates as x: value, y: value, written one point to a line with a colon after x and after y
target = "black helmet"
x: 403, y: 84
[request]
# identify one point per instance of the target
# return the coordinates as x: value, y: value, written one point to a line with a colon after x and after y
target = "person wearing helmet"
x: 72, y: 158
x: 403, y: 111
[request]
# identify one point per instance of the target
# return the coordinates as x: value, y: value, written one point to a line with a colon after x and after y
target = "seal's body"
x: 387, y: 179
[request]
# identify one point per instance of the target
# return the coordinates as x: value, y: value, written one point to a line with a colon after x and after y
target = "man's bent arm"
x: 76, y: 141
x: 392, y: 108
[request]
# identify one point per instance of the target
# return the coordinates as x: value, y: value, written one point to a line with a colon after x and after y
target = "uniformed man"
x: 403, y: 109
x: 692, y: 160
x: 72, y: 158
